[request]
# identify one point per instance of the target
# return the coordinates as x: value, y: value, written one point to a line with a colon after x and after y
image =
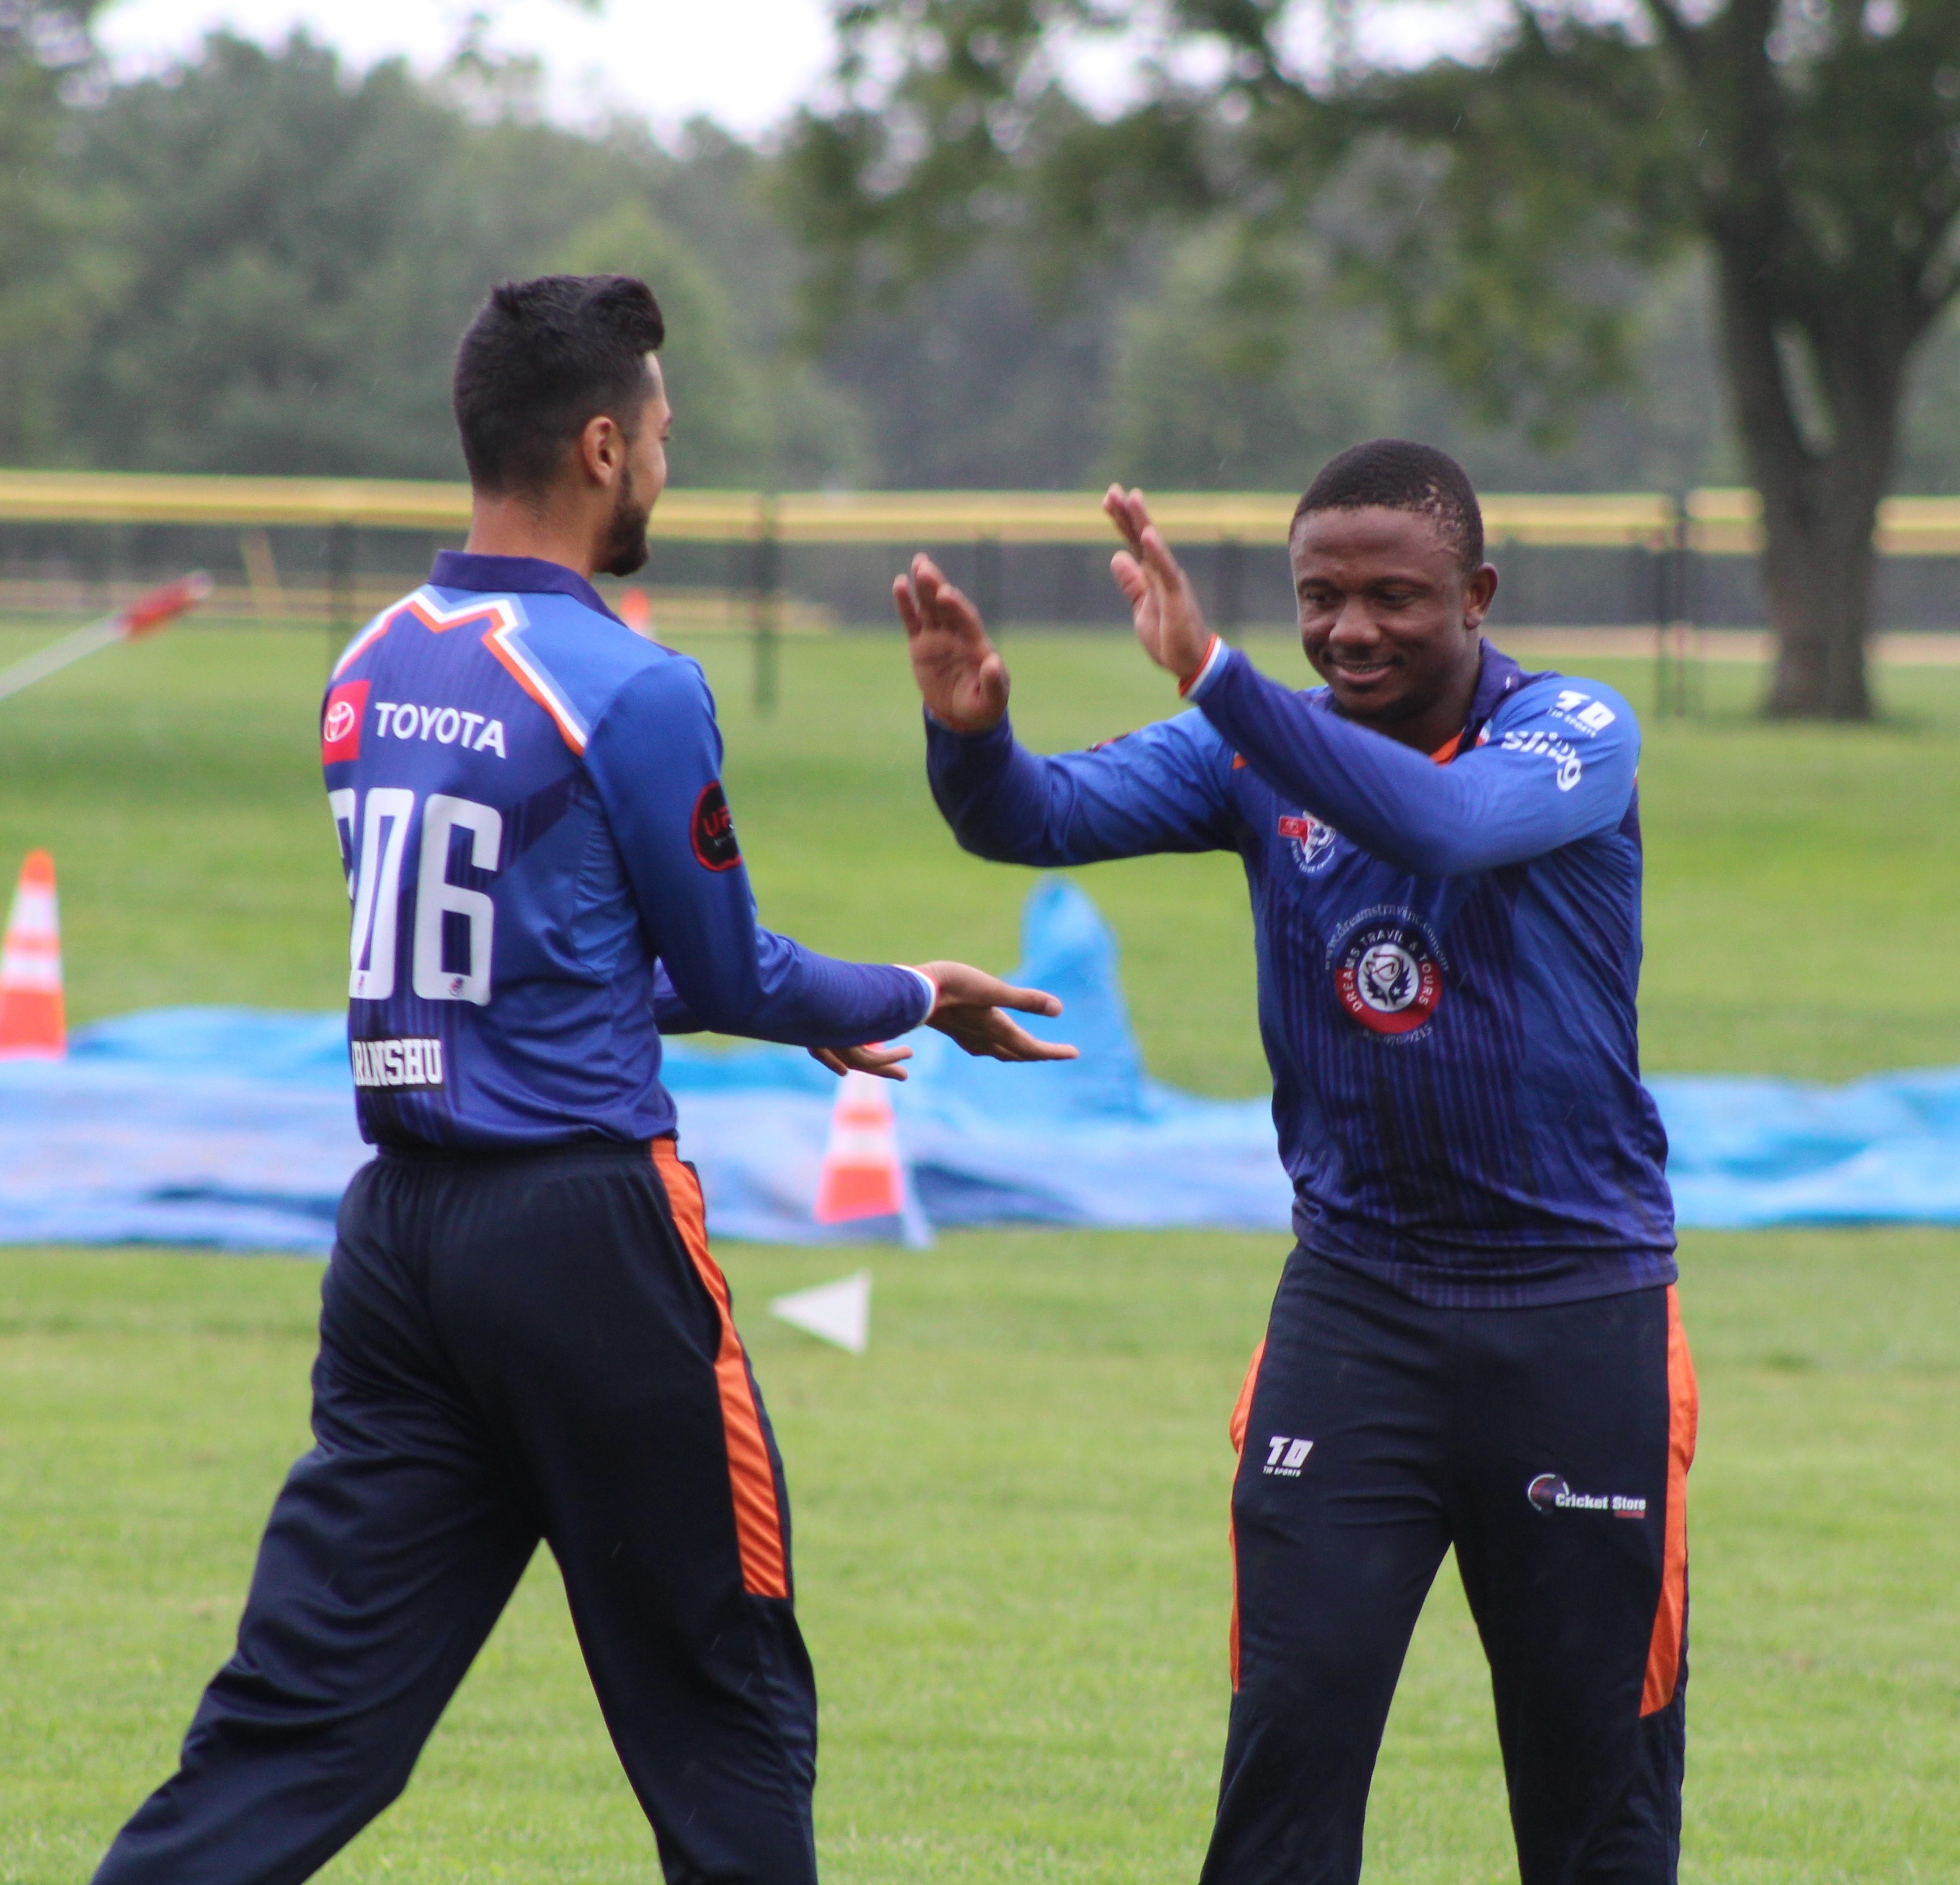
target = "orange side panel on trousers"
x: 751, y: 1479
x: 1683, y: 1409
x: 1242, y: 1413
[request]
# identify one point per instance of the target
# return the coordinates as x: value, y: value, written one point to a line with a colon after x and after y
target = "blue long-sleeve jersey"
x: 1448, y: 960
x: 544, y: 871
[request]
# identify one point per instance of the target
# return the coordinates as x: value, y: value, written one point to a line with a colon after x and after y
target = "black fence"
x: 310, y: 573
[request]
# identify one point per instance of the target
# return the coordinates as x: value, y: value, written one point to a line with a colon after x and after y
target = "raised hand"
x: 960, y: 674
x: 1163, y: 606
x: 972, y: 1010
x: 873, y: 1058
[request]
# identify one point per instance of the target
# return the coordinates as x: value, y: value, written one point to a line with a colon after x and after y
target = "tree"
x: 293, y: 249
x: 1499, y: 211
x: 45, y: 282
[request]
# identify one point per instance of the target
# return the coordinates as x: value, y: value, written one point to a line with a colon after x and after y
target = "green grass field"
x: 1010, y: 1514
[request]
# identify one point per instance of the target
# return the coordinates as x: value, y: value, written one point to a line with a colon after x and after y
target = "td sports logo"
x: 1582, y: 710
x: 1388, y: 971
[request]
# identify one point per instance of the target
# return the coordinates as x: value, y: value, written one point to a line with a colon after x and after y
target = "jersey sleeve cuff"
x: 1195, y: 688
x: 930, y: 987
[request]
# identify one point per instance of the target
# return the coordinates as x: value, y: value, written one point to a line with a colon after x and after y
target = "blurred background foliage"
x: 259, y: 261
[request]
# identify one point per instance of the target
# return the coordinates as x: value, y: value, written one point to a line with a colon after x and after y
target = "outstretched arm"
x: 655, y: 758
x: 1547, y: 776
x: 673, y: 1016
x: 1160, y: 789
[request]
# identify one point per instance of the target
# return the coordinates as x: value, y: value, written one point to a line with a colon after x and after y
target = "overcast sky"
x: 742, y: 61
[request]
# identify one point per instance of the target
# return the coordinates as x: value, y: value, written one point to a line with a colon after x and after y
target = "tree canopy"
x: 1500, y: 212
x: 259, y: 260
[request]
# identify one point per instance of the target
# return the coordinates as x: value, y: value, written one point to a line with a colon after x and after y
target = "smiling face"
x: 1390, y: 618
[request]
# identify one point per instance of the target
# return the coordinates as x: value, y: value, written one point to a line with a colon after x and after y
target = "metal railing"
x: 1717, y: 522
x: 1669, y: 532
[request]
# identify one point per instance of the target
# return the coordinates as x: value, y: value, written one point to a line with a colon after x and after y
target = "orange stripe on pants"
x: 752, y: 1477
x: 1241, y: 1414
x: 1683, y: 1410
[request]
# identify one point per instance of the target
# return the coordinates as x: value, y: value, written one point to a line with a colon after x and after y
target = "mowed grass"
x: 1010, y: 1513
x: 1010, y: 1550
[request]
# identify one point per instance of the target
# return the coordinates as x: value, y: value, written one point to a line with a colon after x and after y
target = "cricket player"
x: 1475, y: 1342
x: 522, y: 1335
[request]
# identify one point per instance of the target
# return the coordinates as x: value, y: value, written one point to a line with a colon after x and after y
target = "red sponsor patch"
x: 1388, y: 978
x: 340, y: 722
x: 713, y: 830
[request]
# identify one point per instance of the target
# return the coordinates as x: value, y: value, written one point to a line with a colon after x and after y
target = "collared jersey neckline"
x: 515, y: 575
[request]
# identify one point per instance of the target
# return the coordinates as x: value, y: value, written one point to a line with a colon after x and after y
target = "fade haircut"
x: 542, y: 360
x: 1397, y: 474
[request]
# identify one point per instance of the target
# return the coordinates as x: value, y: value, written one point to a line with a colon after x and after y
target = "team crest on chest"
x: 1388, y: 971
x: 1310, y: 841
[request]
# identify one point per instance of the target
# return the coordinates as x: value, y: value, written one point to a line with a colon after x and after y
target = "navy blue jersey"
x: 544, y: 871
x: 1448, y: 960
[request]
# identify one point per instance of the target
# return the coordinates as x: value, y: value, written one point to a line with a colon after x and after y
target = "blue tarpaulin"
x: 235, y: 1127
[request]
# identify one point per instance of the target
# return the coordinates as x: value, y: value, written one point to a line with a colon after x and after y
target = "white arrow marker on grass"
x: 838, y: 1311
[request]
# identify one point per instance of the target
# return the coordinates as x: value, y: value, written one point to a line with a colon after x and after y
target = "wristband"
x: 1213, y: 650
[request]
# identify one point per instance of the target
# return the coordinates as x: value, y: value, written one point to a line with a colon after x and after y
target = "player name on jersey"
x: 397, y: 1063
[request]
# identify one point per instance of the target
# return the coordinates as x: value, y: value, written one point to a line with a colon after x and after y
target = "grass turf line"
x: 1009, y: 1522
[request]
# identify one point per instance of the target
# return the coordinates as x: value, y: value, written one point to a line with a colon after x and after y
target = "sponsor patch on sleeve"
x: 713, y: 830
x: 340, y: 722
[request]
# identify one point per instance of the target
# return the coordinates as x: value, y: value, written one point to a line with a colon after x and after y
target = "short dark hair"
x: 1398, y: 474
x: 543, y: 358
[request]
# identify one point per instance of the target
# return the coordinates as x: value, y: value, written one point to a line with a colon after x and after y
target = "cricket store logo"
x: 1285, y: 1456
x: 412, y: 1065
x: 1388, y: 971
x: 1311, y: 841
x: 1549, y: 1493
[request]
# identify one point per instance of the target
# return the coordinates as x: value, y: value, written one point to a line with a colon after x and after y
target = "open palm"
x: 960, y: 675
x: 1163, y: 606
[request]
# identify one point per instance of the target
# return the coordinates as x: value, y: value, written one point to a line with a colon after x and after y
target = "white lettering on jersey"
x: 376, y: 892
x: 436, y: 897
x: 1572, y: 706
x: 377, y: 877
x: 396, y: 1063
x: 446, y: 726
x: 1561, y: 753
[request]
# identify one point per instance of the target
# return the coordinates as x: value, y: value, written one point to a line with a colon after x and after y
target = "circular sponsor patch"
x: 1387, y: 977
x: 712, y: 830
x: 340, y: 721
x: 1545, y: 1492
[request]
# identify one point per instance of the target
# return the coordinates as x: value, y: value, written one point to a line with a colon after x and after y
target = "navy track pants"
x: 1550, y: 1446
x: 511, y: 1348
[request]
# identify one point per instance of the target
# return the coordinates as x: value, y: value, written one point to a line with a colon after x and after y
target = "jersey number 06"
x: 376, y: 887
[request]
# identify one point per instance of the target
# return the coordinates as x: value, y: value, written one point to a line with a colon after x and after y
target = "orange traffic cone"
x: 861, y: 1176
x: 32, y: 1020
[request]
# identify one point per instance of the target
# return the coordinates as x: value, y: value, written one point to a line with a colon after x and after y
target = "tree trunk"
x: 1820, y: 507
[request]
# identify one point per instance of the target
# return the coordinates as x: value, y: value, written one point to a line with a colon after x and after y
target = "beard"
x: 626, y: 548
